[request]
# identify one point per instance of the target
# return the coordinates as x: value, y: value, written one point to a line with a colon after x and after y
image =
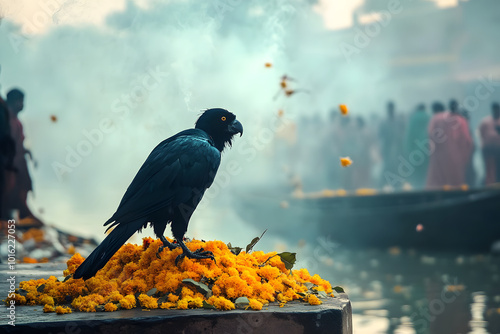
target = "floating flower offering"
x: 135, y: 277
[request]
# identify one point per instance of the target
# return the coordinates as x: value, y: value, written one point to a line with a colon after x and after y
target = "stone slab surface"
x: 333, y: 316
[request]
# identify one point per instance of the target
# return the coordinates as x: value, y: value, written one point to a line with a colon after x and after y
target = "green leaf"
x: 321, y: 294
x: 288, y: 259
x: 339, y: 289
x: 308, y: 285
x: 255, y: 240
x: 208, y: 306
x: 151, y: 292
x: 234, y: 250
x: 242, y: 302
x: 162, y: 299
x: 22, y: 292
x: 202, y: 288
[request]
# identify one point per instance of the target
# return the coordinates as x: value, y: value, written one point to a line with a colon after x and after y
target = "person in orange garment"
x: 489, y: 129
x: 450, y: 148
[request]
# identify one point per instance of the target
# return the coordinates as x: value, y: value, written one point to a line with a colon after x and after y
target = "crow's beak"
x: 235, y: 127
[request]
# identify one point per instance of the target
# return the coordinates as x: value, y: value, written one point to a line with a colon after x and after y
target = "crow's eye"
x: 223, y: 118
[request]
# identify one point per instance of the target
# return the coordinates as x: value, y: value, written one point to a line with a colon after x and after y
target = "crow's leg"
x: 166, y: 243
x: 198, y: 254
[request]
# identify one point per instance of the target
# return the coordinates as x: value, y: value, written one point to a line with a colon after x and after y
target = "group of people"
x: 419, y: 150
x: 438, y: 149
x: 15, y: 181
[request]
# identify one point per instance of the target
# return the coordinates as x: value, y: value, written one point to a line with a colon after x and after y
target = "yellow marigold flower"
x: 268, y: 272
x: 110, y: 307
x: 73, y: 263
x: 48, y: 308
x: 346, y: 161
x: 185, y: 292
x: 71, y: 250
x: 343, y: 109
x: 313, y: 300
x: 221, y: 303
x: 182, y: 304
x: 147, y: 302
x: 115, y: 296
x: 87, y: 303
x: 196, y: 302
x: 172, y: 298
x: 45, y: 299
x: 62, y: 310
x: 34, y: 233
x: 128, y: 302
x: 132, y: 286
x: 18, y: 299
x: 168, y: 305
x: 136, y: 269
x: 255, y: 304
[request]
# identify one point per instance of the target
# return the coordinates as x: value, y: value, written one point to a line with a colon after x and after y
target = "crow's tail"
x: 108, y: 247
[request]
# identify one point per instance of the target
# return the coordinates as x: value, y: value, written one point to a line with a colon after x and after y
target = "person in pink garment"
x: 489, y: 129
x: 450, y: 148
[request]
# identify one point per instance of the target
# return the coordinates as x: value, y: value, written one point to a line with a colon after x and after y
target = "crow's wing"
x: 178, y: 168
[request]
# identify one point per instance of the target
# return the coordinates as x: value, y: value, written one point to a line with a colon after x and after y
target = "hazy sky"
x: 337, y: 14
x: 81, y: 60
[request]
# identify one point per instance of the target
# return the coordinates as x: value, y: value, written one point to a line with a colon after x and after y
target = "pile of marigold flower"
x: 135, y: 277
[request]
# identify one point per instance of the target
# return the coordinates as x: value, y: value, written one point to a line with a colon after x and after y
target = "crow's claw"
x: 197, y: 254
x: 159, y: 251
x: 170, y: 246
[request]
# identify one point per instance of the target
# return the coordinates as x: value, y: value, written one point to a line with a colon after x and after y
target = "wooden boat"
x: 467, y: 220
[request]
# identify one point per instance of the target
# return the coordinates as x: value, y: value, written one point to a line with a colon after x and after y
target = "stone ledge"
x: 333, y: 316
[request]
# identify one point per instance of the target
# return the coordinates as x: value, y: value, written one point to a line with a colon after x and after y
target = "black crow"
x: 168, y: 187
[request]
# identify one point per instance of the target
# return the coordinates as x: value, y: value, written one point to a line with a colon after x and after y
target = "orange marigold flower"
x: 115, y: 296
x: 62, y: 309
x: 313, y: 300
x: 71, y: 250
x: 261, y: 277
x: 343, y: 109
x: 49, y: 308
x: 255, y: 304
x: 221, y: 303
x: 73, y: 263
x: 17, y: 298
x: 29, y: 260
x: 46, y: 300
x: 168, y: 305
x: 128, y: 302
x: 87, y: 303
x: 147, y: 302
x: 110, y: 307
x: 346, y: 161
x: 182, y: 304
x: 172, y: 298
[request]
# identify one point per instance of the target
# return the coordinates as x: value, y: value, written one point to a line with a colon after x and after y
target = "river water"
x: 392, y: 290
x: 408, y: 291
